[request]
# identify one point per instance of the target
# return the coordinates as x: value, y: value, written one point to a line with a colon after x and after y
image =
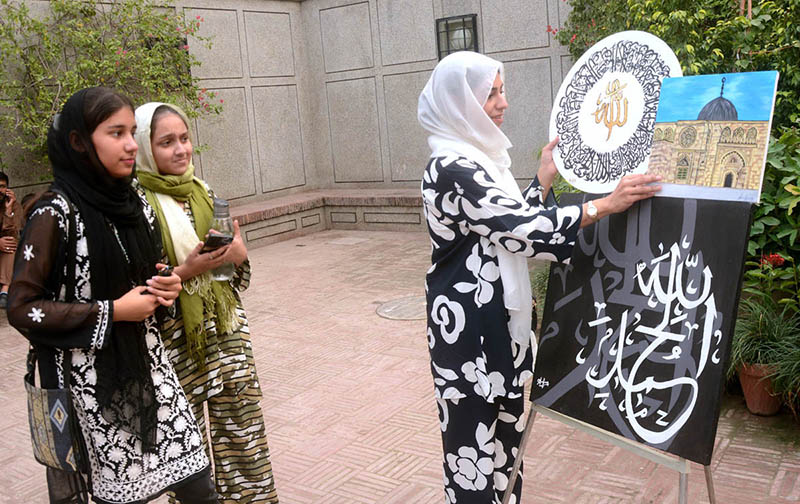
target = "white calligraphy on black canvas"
x: 636, y: 329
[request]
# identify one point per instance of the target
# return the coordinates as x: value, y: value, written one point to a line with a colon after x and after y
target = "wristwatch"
x: 591, y: 210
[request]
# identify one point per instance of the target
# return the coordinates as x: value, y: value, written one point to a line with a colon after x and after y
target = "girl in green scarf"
x: 208, y: 339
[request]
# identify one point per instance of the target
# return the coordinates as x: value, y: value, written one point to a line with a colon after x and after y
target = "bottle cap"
x: 221, y: 207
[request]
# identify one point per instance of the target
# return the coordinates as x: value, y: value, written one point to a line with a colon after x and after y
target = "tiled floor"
x: 349, y: 399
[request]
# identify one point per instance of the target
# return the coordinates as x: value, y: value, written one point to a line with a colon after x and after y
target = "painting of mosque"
x: 711, y: 135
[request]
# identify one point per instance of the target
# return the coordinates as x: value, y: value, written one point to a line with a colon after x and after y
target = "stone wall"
x: 323, y: 93
x: 262, y: 142
x: 370, y: 60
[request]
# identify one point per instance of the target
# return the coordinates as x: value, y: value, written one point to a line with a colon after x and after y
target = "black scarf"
x: 124, y: 388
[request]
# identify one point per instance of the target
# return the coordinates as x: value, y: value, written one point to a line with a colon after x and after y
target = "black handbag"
x: 55, y: 433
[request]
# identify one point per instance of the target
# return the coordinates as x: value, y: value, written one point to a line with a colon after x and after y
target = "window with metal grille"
x: 683, y: 169
x: 457, y: 33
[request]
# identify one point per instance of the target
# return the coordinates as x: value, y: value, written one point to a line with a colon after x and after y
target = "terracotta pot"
x: 758, y: 392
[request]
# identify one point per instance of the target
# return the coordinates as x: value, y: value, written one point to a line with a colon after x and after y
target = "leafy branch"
x: 138, y: 47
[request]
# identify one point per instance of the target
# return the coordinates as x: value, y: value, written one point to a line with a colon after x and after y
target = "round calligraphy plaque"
x: 605, y: 109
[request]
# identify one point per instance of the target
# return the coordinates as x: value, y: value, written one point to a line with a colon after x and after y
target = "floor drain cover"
x: 408, y: 308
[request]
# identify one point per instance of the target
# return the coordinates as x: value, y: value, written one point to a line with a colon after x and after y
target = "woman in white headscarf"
x: 208, y: 336
x: 482, y: 229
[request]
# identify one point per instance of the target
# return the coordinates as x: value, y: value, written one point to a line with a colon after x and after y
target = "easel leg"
x: 512, y: 480
x: 712, y: 497
x: 683, y: 489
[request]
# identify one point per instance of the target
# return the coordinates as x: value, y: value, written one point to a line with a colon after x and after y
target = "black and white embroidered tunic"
x: 120, y: 472
x: 469, y: 215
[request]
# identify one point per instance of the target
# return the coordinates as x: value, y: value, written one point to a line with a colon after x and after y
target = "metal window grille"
x: 457, y: 33
x: 683, y: 169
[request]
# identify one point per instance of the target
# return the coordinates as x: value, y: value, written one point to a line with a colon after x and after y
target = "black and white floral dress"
x: 468, y: 217
x: 120, y: 472
x: 476, y: 365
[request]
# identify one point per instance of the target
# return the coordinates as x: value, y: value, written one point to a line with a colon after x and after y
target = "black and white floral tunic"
x: 469, y: 215
x: 120, y: 472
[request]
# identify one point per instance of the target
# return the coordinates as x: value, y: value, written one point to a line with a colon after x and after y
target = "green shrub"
x: 759, y: 329
x: 786, y: 378
x: 138, y: 47
x: 773, y: 266
x: 710, y: 36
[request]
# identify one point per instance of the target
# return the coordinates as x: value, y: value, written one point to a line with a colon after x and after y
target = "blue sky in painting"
x: 752, y: 94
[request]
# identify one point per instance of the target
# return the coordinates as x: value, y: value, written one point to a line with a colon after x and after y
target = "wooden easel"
x: 679, y: 464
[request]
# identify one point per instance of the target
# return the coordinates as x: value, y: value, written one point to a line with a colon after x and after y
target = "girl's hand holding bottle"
x: 222, y: 249
x: 236, y: 252
x: 198, y: 262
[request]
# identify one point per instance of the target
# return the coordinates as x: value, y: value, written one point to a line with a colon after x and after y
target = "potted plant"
x: 765, y: 352
x: 786, y: 378
x: 754, y: 352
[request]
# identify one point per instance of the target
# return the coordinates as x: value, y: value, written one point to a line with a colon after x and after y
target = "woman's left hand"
x: 237, y: 252
x: 165, y: 288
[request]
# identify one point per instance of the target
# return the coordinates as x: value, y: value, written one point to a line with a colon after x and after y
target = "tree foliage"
x: 707, y: 36
x: 774, y: 246
x: 712, y: 36
x: 135, y: 46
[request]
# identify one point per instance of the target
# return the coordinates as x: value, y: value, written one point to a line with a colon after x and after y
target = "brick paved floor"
x: 349, y: 400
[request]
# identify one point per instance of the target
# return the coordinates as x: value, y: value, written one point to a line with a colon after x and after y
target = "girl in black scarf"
x: 85, y: 283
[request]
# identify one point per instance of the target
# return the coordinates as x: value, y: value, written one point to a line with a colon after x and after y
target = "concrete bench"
x: 308, y: 212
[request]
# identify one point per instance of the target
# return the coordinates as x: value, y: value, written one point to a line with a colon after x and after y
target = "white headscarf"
x: 184, y: 236
x: 451, y: 109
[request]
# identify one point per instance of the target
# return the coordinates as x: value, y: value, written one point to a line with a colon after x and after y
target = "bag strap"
x: 72, y: 243
x: 70, y: 282
x: 30, y: 366
x: 30, y: 375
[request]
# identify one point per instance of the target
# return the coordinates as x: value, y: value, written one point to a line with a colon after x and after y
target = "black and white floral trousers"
x: 480, y: 440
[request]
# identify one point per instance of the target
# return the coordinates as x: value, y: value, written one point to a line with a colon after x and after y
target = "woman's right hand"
x: 135, y: 305
x: 547, y: 167
x: 197, y: 263
x: 631, y: 188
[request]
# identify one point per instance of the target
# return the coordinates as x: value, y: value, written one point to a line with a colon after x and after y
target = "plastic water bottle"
x: 223, y: 224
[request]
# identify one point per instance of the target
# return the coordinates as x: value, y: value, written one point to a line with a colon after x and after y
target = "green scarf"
x: 210, y: 299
